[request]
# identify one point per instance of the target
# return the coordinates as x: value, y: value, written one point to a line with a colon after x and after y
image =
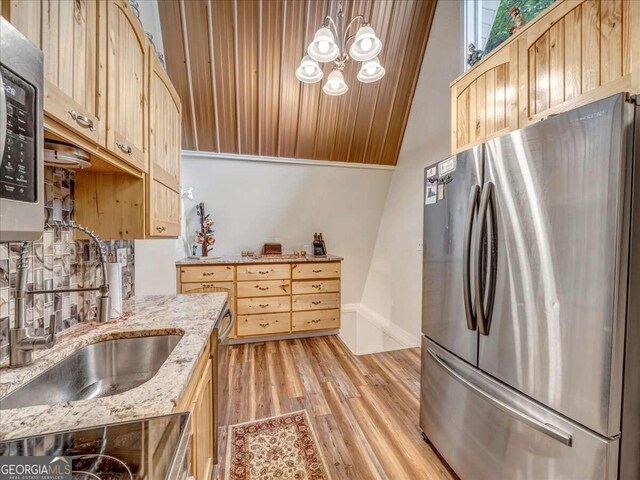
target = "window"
x: 488, y: 22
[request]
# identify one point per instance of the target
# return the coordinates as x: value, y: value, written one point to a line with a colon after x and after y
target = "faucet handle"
x: 51, y: 338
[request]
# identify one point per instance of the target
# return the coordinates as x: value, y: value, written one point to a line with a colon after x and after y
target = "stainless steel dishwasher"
x: 220, y: 364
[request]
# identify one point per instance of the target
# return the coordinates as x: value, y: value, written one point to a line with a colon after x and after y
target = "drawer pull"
x: 316, y: 271
x: 207, y: 285
x: 318, y: 286
x: 315, y: 320
x: 161, y: 228
x: 263, y: 305
x: 262, y: 289
x: 83, y: 121
x: 317, y: 303
x: 125, y: 148
x: 263, y: 272
x: 264, y: 325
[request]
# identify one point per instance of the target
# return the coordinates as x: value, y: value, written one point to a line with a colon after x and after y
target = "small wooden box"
x: 272, y: 249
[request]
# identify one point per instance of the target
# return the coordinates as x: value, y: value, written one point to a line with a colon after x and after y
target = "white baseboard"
x: 365, y: 331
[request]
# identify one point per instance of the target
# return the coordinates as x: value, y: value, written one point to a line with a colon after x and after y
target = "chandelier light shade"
x: 371, y: 71
x: 330, y: 45
x: 366, y: 45
x: 335, y: 84
x: 324, y: 47
x: 309, y: 71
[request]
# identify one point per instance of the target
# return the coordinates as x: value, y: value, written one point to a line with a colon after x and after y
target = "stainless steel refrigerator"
x: 531, y: 300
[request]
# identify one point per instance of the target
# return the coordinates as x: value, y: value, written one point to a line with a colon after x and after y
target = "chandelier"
x: 330, y: 45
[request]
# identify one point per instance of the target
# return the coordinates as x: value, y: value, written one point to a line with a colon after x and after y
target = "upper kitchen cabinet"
x: 72, y: 36
x: 484, y: 102
x: 578, y: 53
x: 163, y: 180
x: 574, y: 53
x: 126, y: 84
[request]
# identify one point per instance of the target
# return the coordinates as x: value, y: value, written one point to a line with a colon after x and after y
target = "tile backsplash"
x: 58, y: 260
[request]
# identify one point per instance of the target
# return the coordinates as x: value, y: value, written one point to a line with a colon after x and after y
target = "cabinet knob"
x: 262, y: 288
x: 82, y: 120
x: 264, y: 325
x: 318, y: 286
x: 315, y: 320
x: 316, y: 271
x: 125, y: 148
x: 263, y: 305
x: 317, y: 303
x: 161, y: 228
x: 263, y: 272
x: 208, y: 274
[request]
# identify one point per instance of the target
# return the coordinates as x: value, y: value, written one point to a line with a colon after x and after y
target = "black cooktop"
x: 142, y: 449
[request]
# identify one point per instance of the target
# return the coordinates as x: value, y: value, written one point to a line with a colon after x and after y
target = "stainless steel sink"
x: 97, y: 370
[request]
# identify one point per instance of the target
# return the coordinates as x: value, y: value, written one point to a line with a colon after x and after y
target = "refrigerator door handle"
x: 484, y: 312
x: 472, y: 211
x: 512, y: 410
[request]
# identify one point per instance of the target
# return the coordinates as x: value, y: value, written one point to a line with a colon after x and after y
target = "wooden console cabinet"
x: 272, y: 298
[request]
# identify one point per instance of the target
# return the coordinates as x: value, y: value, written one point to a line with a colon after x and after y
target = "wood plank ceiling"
x: 233, y: 63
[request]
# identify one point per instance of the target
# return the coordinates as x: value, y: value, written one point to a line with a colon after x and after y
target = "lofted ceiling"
x: 233, y: 64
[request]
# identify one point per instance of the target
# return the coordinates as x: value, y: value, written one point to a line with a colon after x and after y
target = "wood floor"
x: 364, y: 409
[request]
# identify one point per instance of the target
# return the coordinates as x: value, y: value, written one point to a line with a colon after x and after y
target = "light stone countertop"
x: 192, y: 315
x: 235, y: 259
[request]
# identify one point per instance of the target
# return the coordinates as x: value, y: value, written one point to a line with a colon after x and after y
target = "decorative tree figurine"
x: 204, y: 236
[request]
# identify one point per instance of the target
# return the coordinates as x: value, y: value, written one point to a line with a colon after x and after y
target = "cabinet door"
x: 202, y: 425
x: 164, y: 153
x: 74, y: 46
x: 127, y: 85
x: 577, y: 53
x: 72, y: 36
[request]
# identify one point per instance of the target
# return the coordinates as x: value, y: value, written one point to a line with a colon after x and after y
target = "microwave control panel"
x: 19, y: 166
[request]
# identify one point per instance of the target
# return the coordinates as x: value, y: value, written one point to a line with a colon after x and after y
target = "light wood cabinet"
x: 315, y: 320
x: 202, y: 421
x: 264, y: 324
x: 574, y: 53
x: 163, y: 180
x: 127, y: 85
x: 106, y: 92
x: 199, y: 400
x: 72, y: 36
x: 274, y: 298
x: 207, y: 273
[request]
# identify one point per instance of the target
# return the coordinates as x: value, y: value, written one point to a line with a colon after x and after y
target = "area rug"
x: 281, y: 447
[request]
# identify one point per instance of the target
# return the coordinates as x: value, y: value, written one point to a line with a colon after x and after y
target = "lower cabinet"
x: 202, y: 421
x: 272, y: 298
x: 199, y: 401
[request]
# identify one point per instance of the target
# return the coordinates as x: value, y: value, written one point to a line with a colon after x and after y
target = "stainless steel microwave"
x: 21, y: 137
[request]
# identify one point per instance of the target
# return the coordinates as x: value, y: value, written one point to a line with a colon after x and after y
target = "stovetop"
x: 137, y: 450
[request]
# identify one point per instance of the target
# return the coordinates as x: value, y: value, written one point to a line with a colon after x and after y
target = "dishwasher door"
x: 220, y: 364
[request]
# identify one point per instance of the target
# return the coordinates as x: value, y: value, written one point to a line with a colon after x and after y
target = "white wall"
x: 255, y: 202
x: 155, y: 269
x: 392, y: 295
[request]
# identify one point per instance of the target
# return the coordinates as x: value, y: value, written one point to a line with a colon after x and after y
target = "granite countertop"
x: 192, y: 315
x: 233, y: 259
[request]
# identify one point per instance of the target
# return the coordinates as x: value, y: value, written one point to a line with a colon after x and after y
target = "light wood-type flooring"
x: 364, y: 409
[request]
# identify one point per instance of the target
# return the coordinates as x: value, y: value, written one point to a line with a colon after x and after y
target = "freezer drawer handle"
x: 524, y: 417
x: 472, y: 211
x: 484, y: 312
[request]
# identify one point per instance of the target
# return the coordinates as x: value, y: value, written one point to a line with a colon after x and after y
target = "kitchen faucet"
x: 21, y: 342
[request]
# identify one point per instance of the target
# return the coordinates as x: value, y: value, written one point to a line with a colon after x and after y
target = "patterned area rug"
x: 282, y: 447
